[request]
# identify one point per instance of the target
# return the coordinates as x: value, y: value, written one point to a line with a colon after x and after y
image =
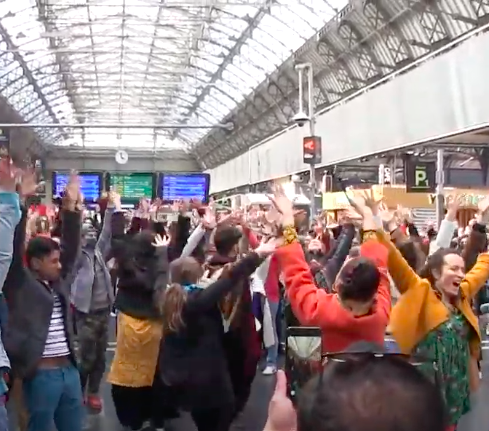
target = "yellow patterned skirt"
x: 136, y: 353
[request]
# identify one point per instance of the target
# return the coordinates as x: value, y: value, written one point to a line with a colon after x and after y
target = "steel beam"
x: 227, y: 126
x: 253, y: 23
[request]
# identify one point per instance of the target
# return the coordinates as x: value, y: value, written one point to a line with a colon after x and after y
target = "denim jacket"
x: 10, y: 215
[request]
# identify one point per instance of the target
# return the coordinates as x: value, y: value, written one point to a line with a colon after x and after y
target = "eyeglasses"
x: 428, y: 365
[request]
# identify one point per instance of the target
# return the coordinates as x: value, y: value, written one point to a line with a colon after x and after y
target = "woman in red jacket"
x: 359, y: 309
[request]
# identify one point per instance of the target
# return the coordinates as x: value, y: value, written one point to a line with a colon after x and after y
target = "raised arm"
x: 211, y: 295
x: 403, y: 275
x: 105, y: 238
x: 10, y: 215
x: 479, y: 273
x: 335, y: 262
x: 373, y: 250
x: 17, y: 272
x: 182, y: 235
x: 70, y: 228
x: 447, y: 228
x: 311, y: 306
x: 193, y: 240
x: 476, y: 278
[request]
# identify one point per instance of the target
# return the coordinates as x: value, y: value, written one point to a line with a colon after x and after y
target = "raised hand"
x: 385, y: 214
x: 8, y: 175
x: 372, y: 201
x: 266, y: 248
x: 72, y: 193
x: 283, y: 205
x: 115, y: 199
x: 315, y: 245
x: 483, y: 215
x: 404, y: 214
x: 453, y: 204
x: 209, y: 219
x: 28, y: 183
x: 159, y: 241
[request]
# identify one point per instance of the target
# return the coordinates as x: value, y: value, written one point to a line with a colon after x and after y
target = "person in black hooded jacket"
x: 142, y: 274
x: 194, y: 364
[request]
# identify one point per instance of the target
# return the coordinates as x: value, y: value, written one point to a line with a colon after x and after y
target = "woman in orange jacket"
x: 434, y: 318
x: 359, y: 308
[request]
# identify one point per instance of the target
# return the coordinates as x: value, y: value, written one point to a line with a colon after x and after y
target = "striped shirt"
x: 56, y: 343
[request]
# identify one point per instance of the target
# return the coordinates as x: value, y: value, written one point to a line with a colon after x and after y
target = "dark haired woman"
x: 434, y: 317
x: 142, y: 267
x: 360, y: 307
x: 192, y: 361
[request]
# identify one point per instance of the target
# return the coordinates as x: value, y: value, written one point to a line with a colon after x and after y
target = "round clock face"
x: 121, y: 157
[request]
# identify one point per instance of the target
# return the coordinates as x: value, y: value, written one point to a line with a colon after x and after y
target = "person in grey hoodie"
x: 92, y: 298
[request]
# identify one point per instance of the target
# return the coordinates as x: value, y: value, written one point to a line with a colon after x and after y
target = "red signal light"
x: 310, y: 144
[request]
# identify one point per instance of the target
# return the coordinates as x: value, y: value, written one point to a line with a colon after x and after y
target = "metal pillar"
x: 440, y: 180
x: 228, y: 126
x: 312, y: 121
x: 310, y: 113
x: 393, y: 170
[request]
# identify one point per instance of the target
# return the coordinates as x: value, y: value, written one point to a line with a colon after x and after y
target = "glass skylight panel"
x: 19, y: 18
x: 169, y: 56
x: 224, y: 98
x: 290, y: 23
x: 230, y: 88
x: 110, y: 138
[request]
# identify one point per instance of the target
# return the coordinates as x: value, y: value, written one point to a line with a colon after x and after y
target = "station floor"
x: 255, y: 413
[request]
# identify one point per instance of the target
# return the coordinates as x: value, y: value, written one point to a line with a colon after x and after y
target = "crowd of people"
x: 201, y: 299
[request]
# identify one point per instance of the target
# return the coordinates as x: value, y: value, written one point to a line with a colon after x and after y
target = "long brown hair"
x: 171, y: 307
x: 183, y: 271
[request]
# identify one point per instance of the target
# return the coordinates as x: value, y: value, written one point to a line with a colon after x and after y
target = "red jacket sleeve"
x: 311, y: 306
x: 378, y: 253
x: 252, y: 240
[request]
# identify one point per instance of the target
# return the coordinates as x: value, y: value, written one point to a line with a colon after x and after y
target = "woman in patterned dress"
x: 434, y: 319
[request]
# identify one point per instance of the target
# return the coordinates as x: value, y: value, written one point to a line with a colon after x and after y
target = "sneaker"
x: 269, y: 370
x: 94, y: 402
x: 146, y: 426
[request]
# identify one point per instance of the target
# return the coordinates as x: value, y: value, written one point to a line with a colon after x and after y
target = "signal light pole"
x: 311, y: 145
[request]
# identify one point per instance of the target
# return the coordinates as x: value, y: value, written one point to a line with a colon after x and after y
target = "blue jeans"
x: 3, y: 418
x: 54, y: 395
x: 272, y: 351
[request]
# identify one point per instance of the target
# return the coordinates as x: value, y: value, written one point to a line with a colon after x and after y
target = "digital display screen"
x: 90, y: 185
x: 185, y: 186
x: 132, y: 186
x: 303, y: 357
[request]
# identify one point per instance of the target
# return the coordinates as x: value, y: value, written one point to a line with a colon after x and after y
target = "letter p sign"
x: 420, y: 177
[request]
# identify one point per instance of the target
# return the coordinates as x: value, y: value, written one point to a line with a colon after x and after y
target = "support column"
x: 440, y: 182
x: 484, y: 162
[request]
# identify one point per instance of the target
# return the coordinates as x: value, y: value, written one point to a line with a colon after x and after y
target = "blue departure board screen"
x: 185, y: 186
x: 90, y: 185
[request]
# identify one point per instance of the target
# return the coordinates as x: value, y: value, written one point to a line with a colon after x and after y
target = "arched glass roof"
x: 183, y: 62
